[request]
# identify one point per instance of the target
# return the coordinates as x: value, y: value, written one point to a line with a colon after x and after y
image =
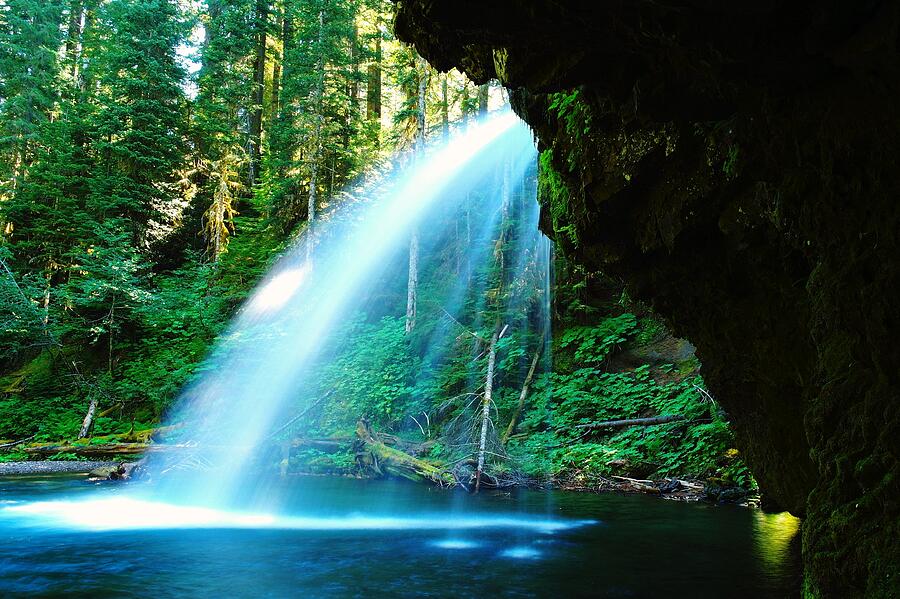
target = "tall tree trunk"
x: 46, y: 302
x: 498, y: 332
x: 73, y: 36
x: 259, y: 82
x: 424, y: 73
x: 412, y: 284
x: 353, y: 92
x: 318, y: 93
x: 445, y: 109
x: 483, y: 99
x: 486, y: 404
x: 112, y: 322
x: 373, y: 84
x: 283, y: 29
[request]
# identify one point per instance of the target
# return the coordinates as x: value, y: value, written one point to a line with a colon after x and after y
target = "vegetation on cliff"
x: 159, y: 161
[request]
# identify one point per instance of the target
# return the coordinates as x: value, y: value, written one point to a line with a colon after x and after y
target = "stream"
x: 338, y: 537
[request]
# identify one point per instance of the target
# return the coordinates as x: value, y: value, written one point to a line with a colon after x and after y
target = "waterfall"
x: 251, y: 383
x: 471, y: 201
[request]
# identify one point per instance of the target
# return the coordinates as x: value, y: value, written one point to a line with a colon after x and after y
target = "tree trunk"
x: 46, y: 301
x: 318, y: 92
x: 521, y: 405
x: 445, y: 109
x: 88, y: 419
x: 73, y: 36
x: 353, y: 92
x: 275, y: 102
x: 412, y: 283
x: 259, y: 81
x: 423, y: 72
x: 373, y: 87
x: 112, y: 316
x: 486, y: 406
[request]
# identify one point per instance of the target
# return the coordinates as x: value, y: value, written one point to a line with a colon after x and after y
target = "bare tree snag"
x: 88, y: 419
x: 486, y: 404
x: 412, y: 285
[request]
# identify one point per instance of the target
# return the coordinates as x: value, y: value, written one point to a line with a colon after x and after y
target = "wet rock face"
x: 738, y: 164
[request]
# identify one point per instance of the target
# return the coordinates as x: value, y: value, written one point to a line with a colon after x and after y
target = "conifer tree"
x: 30, y: 35
x: 310, y: 151
x: 141, y: 116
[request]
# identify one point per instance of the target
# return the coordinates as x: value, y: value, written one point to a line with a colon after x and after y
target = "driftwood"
x: 376, y: 455
x: 639, y: 485
x: 631, y: 422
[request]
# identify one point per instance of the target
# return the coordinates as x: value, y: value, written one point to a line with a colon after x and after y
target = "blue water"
x: 439, y: 543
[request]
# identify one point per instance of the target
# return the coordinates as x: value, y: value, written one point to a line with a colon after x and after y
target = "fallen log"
x: 324, y: 443
x: 105, y: 449
x: 381, y: 458
x: 640, y: 485
x: 631, y: 422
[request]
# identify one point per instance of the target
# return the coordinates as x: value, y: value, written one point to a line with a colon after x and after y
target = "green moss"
x: 553, y: 193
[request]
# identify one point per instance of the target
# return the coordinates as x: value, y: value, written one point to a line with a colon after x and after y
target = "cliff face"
x: 738, y: 164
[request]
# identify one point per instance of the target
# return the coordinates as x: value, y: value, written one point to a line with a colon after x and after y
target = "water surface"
x: 408, y: 540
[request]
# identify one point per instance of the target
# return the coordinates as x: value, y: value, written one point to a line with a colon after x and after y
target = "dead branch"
x: 20, y: 441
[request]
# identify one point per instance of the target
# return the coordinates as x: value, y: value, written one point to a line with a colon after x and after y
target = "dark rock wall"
x: 738, y: 164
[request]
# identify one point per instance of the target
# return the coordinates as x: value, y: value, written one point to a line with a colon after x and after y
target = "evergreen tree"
x: 141, y: 116
x: 30, y: 35
x: 312, y: 150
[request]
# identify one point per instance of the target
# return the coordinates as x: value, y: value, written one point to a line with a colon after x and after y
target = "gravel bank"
x: 49, y: 467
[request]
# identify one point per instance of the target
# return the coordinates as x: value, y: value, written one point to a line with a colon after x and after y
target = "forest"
x: 157, y: 157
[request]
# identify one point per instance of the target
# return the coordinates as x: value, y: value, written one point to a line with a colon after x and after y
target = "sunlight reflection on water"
x: 126, y: 513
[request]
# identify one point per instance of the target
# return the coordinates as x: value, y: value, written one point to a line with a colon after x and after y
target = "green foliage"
x: 372, y: 374
x: 552, y: 192
x: 13, y: 456
x: 65, y: 456
x: 121, y: 191
x: 701, y: 445
x: 592, y: 345
x: 651, y: 330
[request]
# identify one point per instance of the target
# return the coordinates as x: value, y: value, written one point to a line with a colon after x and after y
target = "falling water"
x: 265, y: 364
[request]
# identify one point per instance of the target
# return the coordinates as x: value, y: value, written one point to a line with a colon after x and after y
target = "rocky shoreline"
x: 52, y: 467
